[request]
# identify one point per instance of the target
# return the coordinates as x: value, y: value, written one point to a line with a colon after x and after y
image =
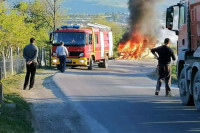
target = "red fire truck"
x: 86, y: 45
x: 184, y: 18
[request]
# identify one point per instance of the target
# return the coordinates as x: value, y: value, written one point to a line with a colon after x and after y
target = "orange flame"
x: 134, y: 48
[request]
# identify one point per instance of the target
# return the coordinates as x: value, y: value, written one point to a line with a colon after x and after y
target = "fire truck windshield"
x: 69, y: 38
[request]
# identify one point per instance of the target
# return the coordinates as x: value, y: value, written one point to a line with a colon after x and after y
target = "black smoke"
x: 142, y: 19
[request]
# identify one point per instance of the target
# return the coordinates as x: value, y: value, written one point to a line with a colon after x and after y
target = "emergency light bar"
x: 70, y: 27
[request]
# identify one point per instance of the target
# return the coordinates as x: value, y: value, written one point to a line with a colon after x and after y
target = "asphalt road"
x: 121, y: 99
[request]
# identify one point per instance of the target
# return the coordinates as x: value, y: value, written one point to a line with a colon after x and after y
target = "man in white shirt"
x: 62, y: 53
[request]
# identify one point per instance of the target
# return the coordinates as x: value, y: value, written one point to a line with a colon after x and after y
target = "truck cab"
x: 184, y: 19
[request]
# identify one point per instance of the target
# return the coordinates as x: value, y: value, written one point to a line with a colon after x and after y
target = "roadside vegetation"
x: 19, y: 22
x: 174, y: 77
x: 24, y: 20
x: 15, y: 114
x: 174, y: 48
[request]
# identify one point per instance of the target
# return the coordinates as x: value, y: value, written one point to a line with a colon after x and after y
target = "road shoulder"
x: 52, y: 112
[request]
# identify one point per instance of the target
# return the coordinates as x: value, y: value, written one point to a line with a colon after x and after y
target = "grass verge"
x: 14, y: 119
x: 174, y: 77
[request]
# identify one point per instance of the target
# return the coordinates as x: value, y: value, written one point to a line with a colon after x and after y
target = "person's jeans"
x: 164, y: 74
x: 62, y: 60
x: 30, y: 75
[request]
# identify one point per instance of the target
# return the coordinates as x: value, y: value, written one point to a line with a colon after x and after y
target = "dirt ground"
x: 51, y: 109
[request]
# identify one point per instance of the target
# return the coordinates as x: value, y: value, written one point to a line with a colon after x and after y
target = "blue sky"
x: 102, y: 6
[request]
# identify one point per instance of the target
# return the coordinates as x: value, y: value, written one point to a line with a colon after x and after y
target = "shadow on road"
x: 96, y: 73
x: 122, y: 113
x: 146, y: 113
x: 52, y: 111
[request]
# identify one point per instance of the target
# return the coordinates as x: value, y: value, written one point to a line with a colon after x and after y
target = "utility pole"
x: 54, y: 10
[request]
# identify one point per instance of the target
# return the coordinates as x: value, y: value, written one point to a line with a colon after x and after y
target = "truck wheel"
x: 196, y: 91
x: 186, y: 98
x: 58, y: 67
x: 91, y: 64
x: 105, y: 62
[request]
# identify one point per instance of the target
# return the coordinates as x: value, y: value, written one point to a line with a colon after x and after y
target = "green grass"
x: 174, y: 77
x: 14, y: 120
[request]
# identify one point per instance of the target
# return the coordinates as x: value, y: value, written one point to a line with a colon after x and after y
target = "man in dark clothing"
x: 30, y: 54
x: 164, y: 54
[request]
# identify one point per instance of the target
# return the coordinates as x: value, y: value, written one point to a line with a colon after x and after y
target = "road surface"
x: 121, y: 99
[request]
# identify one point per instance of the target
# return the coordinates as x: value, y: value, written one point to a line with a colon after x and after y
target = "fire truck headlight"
x: 81, y: 55
x: 55, y: 60
x: 81, y: 61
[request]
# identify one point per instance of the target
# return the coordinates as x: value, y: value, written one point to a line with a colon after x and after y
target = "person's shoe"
x: 30, y: 88
x: 169, y: 94
x: 24, y: 88
x: 156, y: 93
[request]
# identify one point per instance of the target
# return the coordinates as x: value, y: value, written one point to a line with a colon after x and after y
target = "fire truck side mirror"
x: 170, y: 18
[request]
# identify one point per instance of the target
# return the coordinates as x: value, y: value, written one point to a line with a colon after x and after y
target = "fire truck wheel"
x: 105, y: 62
x: 91, y: 64
x: 185, y: 95
x: 196, y: 91
x: 58, y: 67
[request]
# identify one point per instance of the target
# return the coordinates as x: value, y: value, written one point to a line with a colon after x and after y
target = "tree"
x: 14, y: 31
x: 24, y: 21
x: 54, y: 10
x: 43, y: 15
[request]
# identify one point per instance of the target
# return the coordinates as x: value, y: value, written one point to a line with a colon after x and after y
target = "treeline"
x: 37, y: 19
x: 26, y: 20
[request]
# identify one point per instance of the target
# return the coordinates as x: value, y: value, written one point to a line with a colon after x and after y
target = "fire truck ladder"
x: 101, y: 27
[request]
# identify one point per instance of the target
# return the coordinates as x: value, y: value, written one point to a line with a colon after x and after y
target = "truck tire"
x: 58, y: 67
x: 105, y: 62
x: 196, y: 91
x: 91, y: 62
x: 185, y: 95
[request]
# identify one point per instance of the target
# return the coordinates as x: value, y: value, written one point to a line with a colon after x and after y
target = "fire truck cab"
x: 184, y: 19
x: 86, y: 45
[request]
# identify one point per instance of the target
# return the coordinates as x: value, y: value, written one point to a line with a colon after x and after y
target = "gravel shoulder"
x: 51, y: 109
